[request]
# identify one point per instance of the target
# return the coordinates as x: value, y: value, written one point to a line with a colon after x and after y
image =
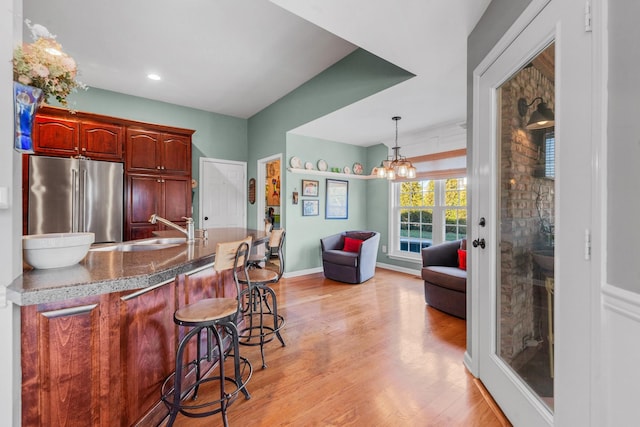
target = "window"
x: 550, y: 154
x: 426, y: 212
x: 545, y: 139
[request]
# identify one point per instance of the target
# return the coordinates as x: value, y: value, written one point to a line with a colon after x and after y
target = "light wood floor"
x: 361, y: 355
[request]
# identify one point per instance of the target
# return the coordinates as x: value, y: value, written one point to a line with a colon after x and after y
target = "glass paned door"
x: 526, y: 224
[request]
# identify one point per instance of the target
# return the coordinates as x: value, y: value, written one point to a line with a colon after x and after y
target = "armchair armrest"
x: 369, y: 247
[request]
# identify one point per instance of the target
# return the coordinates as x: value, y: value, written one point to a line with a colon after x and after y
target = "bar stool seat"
x: 260, y: 275
x: 262, y: 321
x: 206, y: 310
x: 211, y: 316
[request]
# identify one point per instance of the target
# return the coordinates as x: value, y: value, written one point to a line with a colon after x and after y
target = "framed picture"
x: 309, y: 188
x: 337, y: 199
x: 310, y: 207
x: 295, y: 197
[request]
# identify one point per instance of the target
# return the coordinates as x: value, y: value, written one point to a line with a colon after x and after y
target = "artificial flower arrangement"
x: 44, y: 65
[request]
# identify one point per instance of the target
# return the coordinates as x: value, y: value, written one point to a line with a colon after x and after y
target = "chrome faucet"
x: 189, y: 231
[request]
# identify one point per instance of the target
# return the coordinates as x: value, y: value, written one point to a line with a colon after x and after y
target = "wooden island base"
x: 101, y: 360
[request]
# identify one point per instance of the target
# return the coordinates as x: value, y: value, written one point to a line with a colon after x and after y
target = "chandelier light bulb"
x: 391, y: 174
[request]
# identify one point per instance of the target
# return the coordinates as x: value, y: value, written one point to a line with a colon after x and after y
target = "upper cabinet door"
x: 55, y: 136
x: 101, y: 141
x: 143, y: 154
x: 176, y: 154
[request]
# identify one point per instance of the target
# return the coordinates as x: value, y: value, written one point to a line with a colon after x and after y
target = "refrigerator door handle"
x: 74, y: 200
x: 82, y: 194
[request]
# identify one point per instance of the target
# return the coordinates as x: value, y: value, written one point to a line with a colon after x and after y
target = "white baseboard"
x: 399, y: 269
x: 302, y: 272
x: 378, y: 264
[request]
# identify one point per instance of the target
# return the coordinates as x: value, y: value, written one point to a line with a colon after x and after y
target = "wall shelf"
x: 329, y: 174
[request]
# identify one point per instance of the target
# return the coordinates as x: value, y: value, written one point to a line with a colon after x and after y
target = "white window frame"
x: 438, y: 218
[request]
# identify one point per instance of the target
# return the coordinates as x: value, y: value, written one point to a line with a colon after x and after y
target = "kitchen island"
x: 98, y: 338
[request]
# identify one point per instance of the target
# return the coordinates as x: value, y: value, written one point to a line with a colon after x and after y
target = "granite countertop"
x: 102, y: 272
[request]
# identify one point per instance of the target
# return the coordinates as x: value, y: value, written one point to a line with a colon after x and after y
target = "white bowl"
x: 55, y: 250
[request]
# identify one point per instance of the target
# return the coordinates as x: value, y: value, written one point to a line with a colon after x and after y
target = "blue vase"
x: 26, y: 100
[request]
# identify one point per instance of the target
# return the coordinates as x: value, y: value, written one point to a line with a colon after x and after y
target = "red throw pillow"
x: 462, y: 259
x: 352, y: 245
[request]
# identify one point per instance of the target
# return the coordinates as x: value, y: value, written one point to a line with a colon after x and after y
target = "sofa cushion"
x: 352, y: 245
x: 462, y: 259
x: 335, y: 256
x: 447, y: 277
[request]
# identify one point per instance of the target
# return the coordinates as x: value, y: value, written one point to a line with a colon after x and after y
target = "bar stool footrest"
x: 186, y: 409
x: 269, y: 333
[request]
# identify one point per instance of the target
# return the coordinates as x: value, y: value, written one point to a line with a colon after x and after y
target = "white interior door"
x: 504, y: 274
x: 223, y: 193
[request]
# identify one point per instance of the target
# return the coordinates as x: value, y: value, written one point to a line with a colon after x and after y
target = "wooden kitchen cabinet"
x: 66, y: 363
x: 158, y: 152
x: 101, y: 141
x: 169, y: 196
x: 67, y: 136
x: 148, y: 336
x: 55, y: 136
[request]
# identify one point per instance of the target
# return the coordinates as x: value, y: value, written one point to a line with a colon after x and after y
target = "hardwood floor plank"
x: 360, y: 355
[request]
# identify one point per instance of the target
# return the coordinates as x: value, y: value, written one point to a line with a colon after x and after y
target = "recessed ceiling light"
x: 153, y: 76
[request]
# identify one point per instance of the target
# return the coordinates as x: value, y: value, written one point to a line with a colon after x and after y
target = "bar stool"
x: 260, y: 303
x: 210, y: 315
x: 256, y: 260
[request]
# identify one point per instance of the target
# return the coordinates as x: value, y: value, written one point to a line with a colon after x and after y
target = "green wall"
x: 216, y: 135
x: 303, y: 250
x: 355, y: 77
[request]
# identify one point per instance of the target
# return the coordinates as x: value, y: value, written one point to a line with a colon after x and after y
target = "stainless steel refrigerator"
x: 76, y: 195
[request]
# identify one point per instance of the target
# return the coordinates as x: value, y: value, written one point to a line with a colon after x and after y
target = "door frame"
x: 261, y: 168
x: 202, y: 162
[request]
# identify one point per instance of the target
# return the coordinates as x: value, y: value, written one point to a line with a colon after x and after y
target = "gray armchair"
x: 350, y: 267
x: 445, y: 285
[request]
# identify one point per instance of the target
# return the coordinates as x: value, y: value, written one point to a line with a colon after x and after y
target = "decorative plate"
x: 357, y: 168
x: 346, y: 169
x: 322, y: 165
x: 295, y: 163
x: 308, y: 166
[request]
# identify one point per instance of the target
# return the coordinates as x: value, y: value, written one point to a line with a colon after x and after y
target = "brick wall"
x: 521, y: 154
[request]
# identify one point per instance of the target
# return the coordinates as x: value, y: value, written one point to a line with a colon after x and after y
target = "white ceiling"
x: 236, y: 57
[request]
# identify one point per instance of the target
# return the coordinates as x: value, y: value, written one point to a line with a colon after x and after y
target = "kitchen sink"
x: 153, y: 244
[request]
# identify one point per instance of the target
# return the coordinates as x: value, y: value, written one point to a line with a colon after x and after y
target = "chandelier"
x: 396, y: 165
